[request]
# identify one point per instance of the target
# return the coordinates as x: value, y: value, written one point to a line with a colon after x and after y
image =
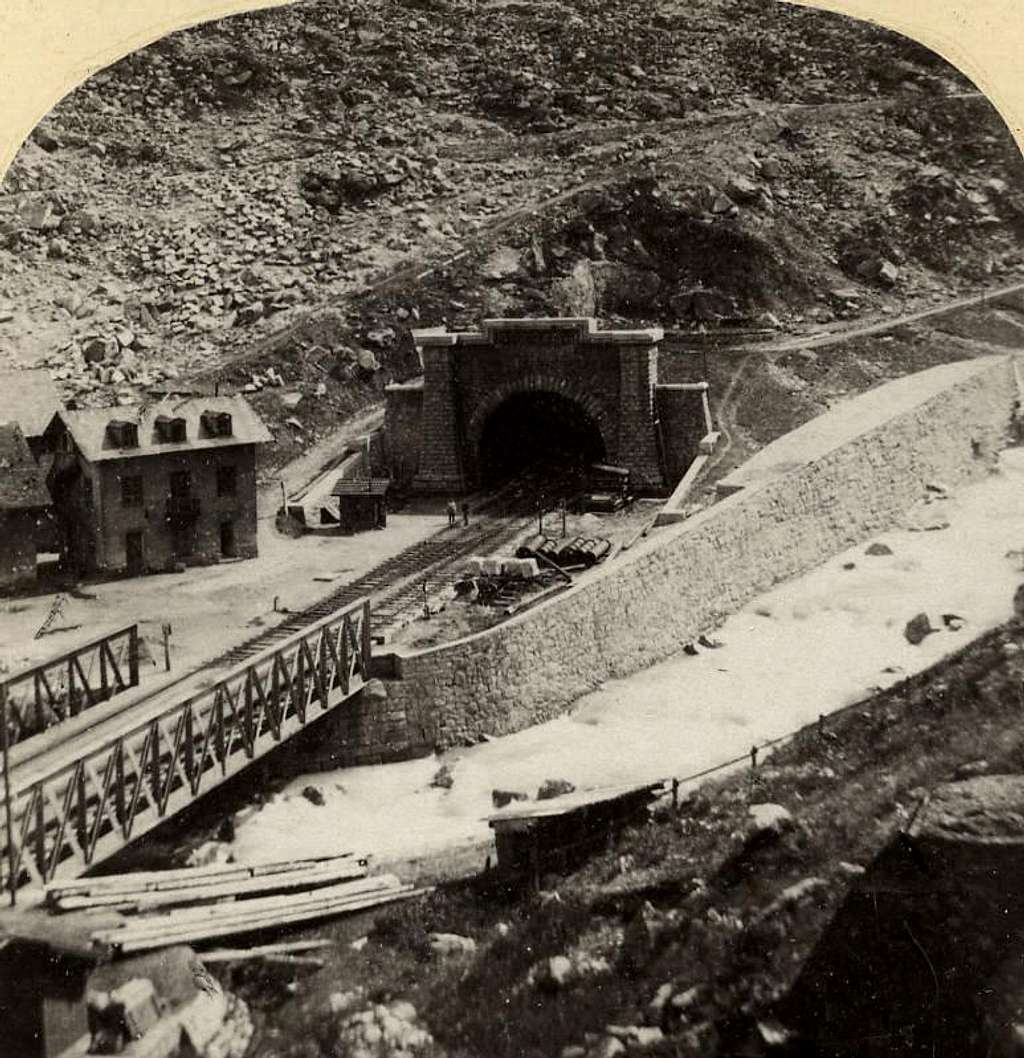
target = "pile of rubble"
x: 391, y: 1030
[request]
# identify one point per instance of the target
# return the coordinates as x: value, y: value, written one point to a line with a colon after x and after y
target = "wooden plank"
x: 284, y: 948
x: 147, y: 881
x: 220, y: 927
x: 257, y: 906
x: 275, y: 882
x: 293, y: 962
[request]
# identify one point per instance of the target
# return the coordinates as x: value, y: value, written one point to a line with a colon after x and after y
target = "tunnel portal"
x: 538, y: 431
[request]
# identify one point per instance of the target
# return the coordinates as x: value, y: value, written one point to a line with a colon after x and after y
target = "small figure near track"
x: 452, y: 511
x: 465, y: 513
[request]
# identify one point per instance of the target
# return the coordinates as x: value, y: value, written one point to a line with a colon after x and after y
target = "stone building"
x: 151, y: 487
x: 24, y: 508
x: 522, y: 392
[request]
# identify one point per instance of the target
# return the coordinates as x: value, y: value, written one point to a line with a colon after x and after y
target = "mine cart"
x: 607, y: 488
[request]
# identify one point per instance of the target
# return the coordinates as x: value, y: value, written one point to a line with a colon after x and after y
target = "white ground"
x: 805, y: 648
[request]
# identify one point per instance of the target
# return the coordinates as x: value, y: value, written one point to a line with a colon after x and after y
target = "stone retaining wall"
x: 687, y: 578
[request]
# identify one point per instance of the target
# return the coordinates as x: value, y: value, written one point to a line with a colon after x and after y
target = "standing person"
x: 465, y: 513
x: 451, y: 513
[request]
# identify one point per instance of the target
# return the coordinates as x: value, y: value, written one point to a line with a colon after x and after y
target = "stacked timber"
x: 196, y: 904
x: 188, y: 925
x: 147, y: 890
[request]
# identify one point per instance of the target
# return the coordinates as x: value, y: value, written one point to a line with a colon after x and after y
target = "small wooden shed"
x: 556, y: 834
x: 362, y: 503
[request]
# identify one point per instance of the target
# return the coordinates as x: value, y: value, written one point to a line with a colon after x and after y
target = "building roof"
x: 361, y: 487
x: 29, y: 398
x: 89, y: 427
x: 517, y: 816
x: 21, y: 483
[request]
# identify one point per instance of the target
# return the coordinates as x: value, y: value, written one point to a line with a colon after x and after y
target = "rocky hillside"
x: 295, y: 172
x: 716, y: 929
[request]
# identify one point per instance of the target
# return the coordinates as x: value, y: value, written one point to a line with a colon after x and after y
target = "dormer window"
x: 123, y: 434
x: 170, y: 430
x: 216, y: 423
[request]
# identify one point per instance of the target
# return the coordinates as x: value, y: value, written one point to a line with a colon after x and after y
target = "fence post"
x: 133, y: 656
x: 366, y: 642
x: 12, y: 880
x: 675, y: 795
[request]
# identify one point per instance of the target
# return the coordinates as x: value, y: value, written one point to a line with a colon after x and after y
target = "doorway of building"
x: 227, y: 540
x: 183, y: 539
x: 135, y: 558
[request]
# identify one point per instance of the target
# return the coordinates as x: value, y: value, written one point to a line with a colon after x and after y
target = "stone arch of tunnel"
x: 526, y: 426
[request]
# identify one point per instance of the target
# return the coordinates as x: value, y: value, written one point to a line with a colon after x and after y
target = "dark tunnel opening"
x: 538, y: 431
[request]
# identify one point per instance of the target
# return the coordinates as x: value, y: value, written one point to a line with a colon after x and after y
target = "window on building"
x: 227, y: 480
x: 131, y: 490
x: 181, y: 482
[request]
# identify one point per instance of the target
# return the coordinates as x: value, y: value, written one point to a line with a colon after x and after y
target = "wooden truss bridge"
x: 83, y: 790
x: 65, y: 686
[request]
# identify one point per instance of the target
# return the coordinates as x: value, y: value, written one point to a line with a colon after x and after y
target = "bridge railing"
x: 65, y: 685
x: 77, y: 804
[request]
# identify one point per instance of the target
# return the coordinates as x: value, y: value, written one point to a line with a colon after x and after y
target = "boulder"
x: 448, y: 944
x: 879, y: 269
x: 210, y: 852
x: 502, y: 263
x: 554, y: 788
x: 314, y: 795
x: 500, y: 798
x: 878, y: 549
x: 769, y: 819
x: 45, y: 139
x: 443, y: 778
x: 96, y: 349
x: 917, y: 629
x: 929, y: 921
x: 641, y: 938
x: 553, y: 973
x: 607, y: 1047
x: 740, y: 189
x: 367, y: 361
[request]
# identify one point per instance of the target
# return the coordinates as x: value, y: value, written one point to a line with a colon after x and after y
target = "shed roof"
x: 361, y: 487
x: 29, y: 398
x: 21, y: 483
x: 517, y: 814
x: 89, y: 427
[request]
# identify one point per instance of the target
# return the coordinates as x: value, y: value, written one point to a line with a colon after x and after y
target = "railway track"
x: 396, y: 586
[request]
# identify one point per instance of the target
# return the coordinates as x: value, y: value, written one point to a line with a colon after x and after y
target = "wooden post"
x: 12, y: 880
x: 104, y: 679
x: 367, y: 642
x: 284, y: 497
x: 166, y: 630
x: 133, y: 656
x: 675, y: 795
